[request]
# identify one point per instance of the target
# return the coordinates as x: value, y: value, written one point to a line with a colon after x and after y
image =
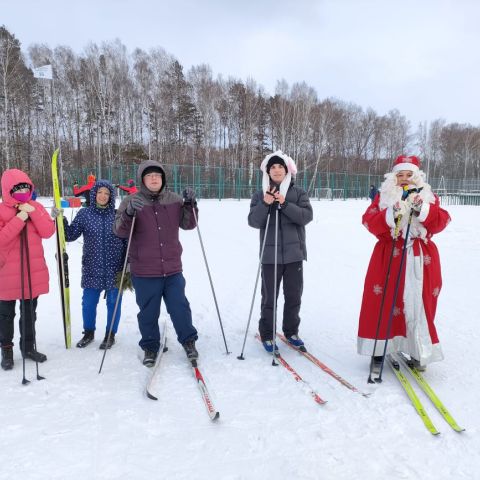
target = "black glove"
x: 189, y: 195
x: 135, y: 204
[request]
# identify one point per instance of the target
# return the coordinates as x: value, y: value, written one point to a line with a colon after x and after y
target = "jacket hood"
x: 142, y: 167
x: 94, y: 190
x: 291, y: 172
x: 10, y: 178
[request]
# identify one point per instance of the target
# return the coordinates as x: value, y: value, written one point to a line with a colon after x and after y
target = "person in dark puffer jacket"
x: 155, y: 257
x: 103, y: 257
x: 294, y: 212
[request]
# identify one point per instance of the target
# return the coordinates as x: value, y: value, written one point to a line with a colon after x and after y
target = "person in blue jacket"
x: 103, y: 257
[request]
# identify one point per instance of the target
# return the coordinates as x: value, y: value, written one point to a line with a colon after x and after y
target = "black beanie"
x: 152, y: 169
x: 276, y: 160
x: 19, y: 186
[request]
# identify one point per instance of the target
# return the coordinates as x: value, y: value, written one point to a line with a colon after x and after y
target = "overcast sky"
x: 419, y: 56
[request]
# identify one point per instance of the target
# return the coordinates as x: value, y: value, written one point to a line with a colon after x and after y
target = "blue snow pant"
x: 90, y: 300
x: 149, y: 292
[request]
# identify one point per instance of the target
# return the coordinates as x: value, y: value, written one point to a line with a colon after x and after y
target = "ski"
x: 316, y: 397
x: 324, y: 367
x: 420, y: 379
x: 417, y: 404
x: 61, y: 256
x: 213, y: 413
x: 153, y: 378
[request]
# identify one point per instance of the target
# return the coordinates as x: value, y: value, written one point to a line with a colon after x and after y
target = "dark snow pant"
x: 292, y: 275
x: 7, y: 316
x: 149, y: 292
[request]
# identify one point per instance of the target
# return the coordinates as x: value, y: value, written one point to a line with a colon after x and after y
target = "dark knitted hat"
x: 276, y: 160
x: 152, y: 169
x: 19, y: 186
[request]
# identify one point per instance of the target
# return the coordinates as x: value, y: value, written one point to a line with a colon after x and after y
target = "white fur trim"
x: 291, y: 171
x: 405, y: 166
x: 425, y: 210
x: 389, y: 218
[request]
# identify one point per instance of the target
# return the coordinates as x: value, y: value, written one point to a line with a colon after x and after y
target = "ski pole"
x: 384, y: 294
x: 22, y: 306
x: 32, y: 313
x: 241, y: 357
x: 385, y: 286
x: 119, y: 294
x: 210, y: 279
x: 275, y: 272
x: 397, y: 284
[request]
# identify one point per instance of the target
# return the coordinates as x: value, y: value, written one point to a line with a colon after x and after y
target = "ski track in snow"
x: 78, y: 424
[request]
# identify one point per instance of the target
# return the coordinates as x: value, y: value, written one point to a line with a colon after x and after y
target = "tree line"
x: 107, y: 107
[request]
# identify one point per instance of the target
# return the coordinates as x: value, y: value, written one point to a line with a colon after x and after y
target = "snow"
x: 78, y: 424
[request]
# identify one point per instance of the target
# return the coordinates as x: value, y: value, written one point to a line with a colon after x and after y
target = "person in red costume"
x: 412, y: 329
x: 20, y: 215
x: 130, y: 188
x: 84, y: 191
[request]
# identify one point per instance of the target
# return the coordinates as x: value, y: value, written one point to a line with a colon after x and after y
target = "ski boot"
x: 296, y: 342
x: 107, y: 342
x: 88, y: 336
x: 150, y: 358
x: 7, y: 357
x: 190, y: 350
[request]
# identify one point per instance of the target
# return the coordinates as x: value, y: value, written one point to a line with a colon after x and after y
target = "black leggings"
x: 7, y: 316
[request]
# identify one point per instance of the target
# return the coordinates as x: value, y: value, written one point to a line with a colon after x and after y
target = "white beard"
x: 391, y: 193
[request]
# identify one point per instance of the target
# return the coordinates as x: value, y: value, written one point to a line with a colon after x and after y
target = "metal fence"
x: 237, y: 183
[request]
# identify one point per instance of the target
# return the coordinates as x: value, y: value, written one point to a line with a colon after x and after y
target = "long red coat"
x: 39, y: 226
x: 412, y: 330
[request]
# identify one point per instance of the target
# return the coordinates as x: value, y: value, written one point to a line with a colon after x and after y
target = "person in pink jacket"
x: 18, y: 212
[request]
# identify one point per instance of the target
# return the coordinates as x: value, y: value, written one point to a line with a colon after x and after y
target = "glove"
x: 416, y: 203
x: 22, y: 215
x: 55, y: 212
x: 135, y: 204
x: 26, y: 207
x: 400, y: 208
x: 189, y: 195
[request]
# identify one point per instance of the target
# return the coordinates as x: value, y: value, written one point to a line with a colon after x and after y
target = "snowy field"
x: 77, y: 424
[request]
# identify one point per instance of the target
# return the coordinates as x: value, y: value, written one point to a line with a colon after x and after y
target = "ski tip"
x: 216, y: 416
x: 150, y: 396
x: 165, y: 349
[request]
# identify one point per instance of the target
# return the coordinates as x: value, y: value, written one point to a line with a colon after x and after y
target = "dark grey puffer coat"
x: 292, y: 218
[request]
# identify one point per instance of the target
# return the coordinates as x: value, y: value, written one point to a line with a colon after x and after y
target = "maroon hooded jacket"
x: 155, y: 250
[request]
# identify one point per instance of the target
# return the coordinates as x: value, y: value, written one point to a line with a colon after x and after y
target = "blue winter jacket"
x: 103, y: 251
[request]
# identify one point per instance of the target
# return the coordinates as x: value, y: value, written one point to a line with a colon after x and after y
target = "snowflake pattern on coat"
x: 103, y: 252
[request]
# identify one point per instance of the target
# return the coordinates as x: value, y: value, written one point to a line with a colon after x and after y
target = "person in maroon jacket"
x: 155, y: 257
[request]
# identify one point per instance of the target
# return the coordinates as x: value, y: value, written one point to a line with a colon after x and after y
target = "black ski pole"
x: 397, y: 284
x: 241, y: 357
x: 22, y: 306
x: 384, y: 293
x: 275, y: 273
x: 32, y: 312
x: 210, y: 279
x: 119, y: 294
x: 385, y: 285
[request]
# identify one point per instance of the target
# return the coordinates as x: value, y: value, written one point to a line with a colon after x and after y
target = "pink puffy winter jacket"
x: 39, y: 225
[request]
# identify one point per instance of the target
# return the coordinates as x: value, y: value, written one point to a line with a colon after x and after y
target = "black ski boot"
x: 7, y: 357
x: 150, y: 358
x: 190, y: 350
x: 32, y: 354
x: 376, y: 364
x: 107, y: 343
x: 88, y: 336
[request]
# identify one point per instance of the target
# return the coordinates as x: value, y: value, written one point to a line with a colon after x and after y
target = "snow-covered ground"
x: 78, y: 424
